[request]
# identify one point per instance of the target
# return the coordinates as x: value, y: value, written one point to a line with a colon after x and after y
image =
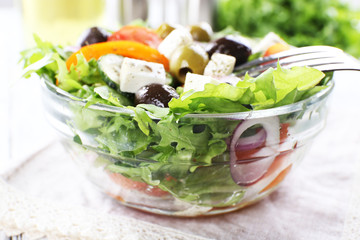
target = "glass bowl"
x: 224, y: 162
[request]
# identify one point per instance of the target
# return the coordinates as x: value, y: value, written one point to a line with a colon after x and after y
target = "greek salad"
x: 162, y: 76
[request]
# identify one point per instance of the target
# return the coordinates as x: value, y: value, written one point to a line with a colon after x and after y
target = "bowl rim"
x: 252, y: 114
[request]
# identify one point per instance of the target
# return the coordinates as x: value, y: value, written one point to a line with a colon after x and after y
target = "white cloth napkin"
x: 37, y: 218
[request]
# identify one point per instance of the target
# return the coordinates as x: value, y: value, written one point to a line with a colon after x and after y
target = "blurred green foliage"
x: 299, y: 22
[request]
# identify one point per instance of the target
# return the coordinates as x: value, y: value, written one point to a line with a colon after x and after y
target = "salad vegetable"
x: 93, y: 35
x: 276, y: 48
x: 137, y: 34
x: 129, y: 49
x: 152, y: 145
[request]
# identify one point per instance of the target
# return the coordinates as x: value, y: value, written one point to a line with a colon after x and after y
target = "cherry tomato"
x: 137, y: 34
x: 276, y: 48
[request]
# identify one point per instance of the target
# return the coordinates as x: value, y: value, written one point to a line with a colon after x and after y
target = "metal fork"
x: 323, y: 58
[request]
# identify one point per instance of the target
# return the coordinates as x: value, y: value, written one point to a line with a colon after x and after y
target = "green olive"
x: 189, y: 58
x: 164, y: 29
x: 201, y: 32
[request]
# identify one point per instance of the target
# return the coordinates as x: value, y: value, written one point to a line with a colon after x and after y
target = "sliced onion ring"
x: 251, y: 142
x: 246, y: 172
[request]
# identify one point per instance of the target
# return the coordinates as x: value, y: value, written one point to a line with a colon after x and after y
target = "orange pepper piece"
x: 129, y: 49
x: 276, y: 48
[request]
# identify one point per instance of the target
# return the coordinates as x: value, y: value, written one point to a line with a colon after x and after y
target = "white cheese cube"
x: 177, y: 38
x: 135, y: 74
x: 197, y: 82
x: 220, y: 65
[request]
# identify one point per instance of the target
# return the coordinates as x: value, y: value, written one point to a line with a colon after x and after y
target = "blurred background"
x: 300, y: 23
x: 306, y: 22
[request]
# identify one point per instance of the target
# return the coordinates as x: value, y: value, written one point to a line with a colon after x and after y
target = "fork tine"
x: 310, y: 56
x: 288, y: 64
x: 316, y: 62
x: 289, y: 53
x: 325, y: 63
x: 301, y: 59
x: 338, y: 67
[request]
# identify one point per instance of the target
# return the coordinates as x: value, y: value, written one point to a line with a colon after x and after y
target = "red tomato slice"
x: 284, y: 132
x: 140, y: 186
x: 137, y: 34
x: 248, y: 154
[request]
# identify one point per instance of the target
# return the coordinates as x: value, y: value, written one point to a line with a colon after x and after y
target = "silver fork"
x: 324, y: 58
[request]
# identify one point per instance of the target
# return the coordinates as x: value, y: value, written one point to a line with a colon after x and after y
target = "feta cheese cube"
x: 135, y: 74
x: 177, y: 38
x: 220, y: 65
x: 197, y: 82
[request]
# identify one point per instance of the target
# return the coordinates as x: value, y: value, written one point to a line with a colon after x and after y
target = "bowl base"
x: 195, y: 212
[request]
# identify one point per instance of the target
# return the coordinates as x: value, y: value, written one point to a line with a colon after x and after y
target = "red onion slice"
x: 246, y: 172
x: 252, y: 142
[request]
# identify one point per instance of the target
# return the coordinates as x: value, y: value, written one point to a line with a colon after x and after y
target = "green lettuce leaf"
x: 272, y: 88
x: 107, y: 93
x: 222, y: 98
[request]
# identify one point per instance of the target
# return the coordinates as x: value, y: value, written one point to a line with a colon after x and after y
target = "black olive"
x: 156, y: 94
x: 199, y: 128
x: 233, y: 46
x: 93, y: 35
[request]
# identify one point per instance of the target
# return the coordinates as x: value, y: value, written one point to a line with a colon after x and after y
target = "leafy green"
x: 221, y: 98
x: 273, y: 88
x: 105, y: 92
x: 40, y: 59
